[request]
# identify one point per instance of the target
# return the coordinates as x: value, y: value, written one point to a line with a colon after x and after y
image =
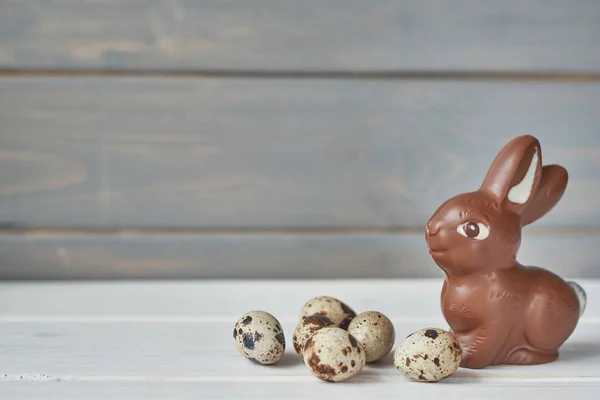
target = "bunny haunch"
x: 500, y: 311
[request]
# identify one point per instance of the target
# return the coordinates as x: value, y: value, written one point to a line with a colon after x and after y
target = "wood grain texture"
x: 355, y: 35
x: 172, y: 340
x: 202, y: 153
x: 133, y: 348
x: 262, y: 256
x: 296, y: 390
x: 195, y: 301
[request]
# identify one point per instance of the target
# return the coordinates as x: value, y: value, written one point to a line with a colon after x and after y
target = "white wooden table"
x: 163, y: 340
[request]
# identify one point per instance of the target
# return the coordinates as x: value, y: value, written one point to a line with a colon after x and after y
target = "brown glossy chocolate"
x: 500, y: 311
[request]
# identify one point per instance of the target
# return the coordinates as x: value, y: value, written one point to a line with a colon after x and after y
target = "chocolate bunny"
x: 500, y: 311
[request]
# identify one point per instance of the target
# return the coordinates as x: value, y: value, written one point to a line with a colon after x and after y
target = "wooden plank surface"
x: 358, y: 255
x: 172, y: 340
x: 355, y: 35
x: 285, y: 390
x: 253, y: 153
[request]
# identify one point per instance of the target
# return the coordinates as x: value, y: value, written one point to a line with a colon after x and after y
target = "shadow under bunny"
x: 578, y: 351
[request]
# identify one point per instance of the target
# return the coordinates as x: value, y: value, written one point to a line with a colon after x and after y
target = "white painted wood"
x: 159, y: 340
x: 286, y: 390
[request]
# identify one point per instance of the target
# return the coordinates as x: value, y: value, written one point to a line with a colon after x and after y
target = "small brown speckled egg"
x: 259, y: 337
x: 306, y: 328
x: 330, y: 307
x: 428, y: 355
x: 375, y: 332
x: 333, y: 355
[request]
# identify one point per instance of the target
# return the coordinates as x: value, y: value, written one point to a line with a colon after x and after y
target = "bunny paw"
x: 530, y: 357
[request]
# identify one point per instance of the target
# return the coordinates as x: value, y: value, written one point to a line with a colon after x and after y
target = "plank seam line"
x: 271, y: 378
x: 10, y: 229
x: 8, y: 319
x: 17, y: 229
x: 481, y: 75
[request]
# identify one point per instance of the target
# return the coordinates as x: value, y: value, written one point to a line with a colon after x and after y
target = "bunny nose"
x: 432, y: 228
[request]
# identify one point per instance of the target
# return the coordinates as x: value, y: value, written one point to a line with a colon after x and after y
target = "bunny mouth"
x: 434, y: 246
x: 437, y: 250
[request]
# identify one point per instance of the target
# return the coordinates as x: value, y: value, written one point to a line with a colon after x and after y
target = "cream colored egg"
x: 375, y: 332
x: 333, y: 355
x: 330, y: 307
x: 428, y: 355
x: 259, y: 337
x: 306, y: 328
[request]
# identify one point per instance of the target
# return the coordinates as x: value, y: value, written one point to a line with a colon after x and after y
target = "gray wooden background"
x: 282, y: 139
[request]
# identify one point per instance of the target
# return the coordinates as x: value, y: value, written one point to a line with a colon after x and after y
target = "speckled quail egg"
x: 330, y: 307
x: 306, y: 328
x: 428, y: 355
x: 259, y: 337
x: 333, y: 355
x: 375, y: 332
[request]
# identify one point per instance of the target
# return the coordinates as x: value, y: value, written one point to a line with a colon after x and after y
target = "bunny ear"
x: 552, y: 187
x: 515, y: 175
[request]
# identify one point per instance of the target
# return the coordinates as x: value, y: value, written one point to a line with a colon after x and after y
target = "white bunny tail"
x: 581, y: 296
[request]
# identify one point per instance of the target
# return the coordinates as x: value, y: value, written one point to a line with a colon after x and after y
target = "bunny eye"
x: 474, y: 230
